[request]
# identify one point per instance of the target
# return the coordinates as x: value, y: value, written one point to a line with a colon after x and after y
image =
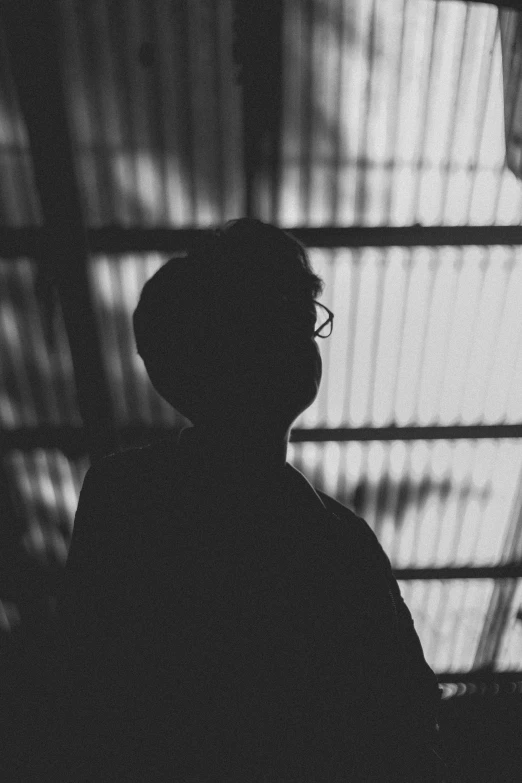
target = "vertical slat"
x: 420, y: 161
x: 485, y: 80
x: 502, y: 375
x: 361, y: 194
x: 511, y: 55
x: 291, y: 169
x: 399, y: 508
x: 394, y: 122
x: 431, y: 261
x: 95, y: 52
x: 150, y: 61
x: 231, y: 136
x: 488, y: 334
x: 374, y: 350
x: 339, y: 151
x: 512, y: 101
x: 355, y: 260
x: 455, y: 113
x: 394, y: 381
x: 498, y: 612
x: 15, y: 375
x: 438, y: 334
x: 307, y: 86
x: 19, y: 203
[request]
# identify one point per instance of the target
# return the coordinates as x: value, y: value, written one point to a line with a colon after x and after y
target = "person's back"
x: 232, y: 638
x: 224, y: 620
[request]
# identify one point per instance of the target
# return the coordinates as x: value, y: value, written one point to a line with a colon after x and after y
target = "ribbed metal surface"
x: 421, y: 336
x: 511, y: 37
x: 510, y: 653
x: 45, y: 488
x: 449, y: 617
x: 19, y: 205
x: 154, y: 110
x: 430, y: 504
x: 117, y: 283
x: 393, y: 114
x: 36, y: 382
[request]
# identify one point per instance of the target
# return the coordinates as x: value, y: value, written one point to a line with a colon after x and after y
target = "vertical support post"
x: 33, y: 42
x: 258, y: 50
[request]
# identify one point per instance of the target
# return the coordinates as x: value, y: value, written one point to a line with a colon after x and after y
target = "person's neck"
x: 254, y: 457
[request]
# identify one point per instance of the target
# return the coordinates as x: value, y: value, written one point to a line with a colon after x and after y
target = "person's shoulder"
x: 139, y: 456
x: 344, y: 514
x: 352, y: 525
x: 133, y: 465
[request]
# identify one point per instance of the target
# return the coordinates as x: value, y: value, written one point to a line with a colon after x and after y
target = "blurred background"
x: 387, y: 134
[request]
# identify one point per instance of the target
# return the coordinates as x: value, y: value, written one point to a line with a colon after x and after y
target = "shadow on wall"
x: 405, y: 493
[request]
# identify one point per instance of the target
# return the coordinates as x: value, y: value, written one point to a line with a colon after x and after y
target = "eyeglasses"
x: 323, y: 317
x: 323, y: 321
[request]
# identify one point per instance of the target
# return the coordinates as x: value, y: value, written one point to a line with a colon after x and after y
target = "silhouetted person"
x: 225, y: 621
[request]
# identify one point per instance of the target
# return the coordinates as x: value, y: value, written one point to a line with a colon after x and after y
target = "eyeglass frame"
x: 329, y: 320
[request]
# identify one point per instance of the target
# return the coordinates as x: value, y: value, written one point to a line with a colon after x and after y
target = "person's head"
x: 227, y: 332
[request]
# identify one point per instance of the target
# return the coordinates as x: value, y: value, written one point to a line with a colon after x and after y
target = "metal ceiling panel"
x: 449, y: 617
x: 116, y: 284
x: 510, y: 653
x: 37, y: 382
x: 430, y: 503
x: 393, y: 115
x: 19, y: 204
x: 45, y: 487
x: 154, y: 111
x: 421, y: 336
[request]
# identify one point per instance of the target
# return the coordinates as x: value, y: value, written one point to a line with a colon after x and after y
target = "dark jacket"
x: 205, y: 640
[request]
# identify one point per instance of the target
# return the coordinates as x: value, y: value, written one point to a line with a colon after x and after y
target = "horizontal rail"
x: 110, y: 240
x: 434, y: 432
x: 507, y: 684
x: 72, y: 440
x: 504, y: 571
x: 482, y: 676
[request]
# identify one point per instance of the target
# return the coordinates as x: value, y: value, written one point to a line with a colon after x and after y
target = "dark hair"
x: 198, y: 301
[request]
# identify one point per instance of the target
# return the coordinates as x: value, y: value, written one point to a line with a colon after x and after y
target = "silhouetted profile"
x: 225, y: 621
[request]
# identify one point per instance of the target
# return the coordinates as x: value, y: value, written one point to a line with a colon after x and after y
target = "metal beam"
x: 33, y: 42
x: 110, y: 240
x: 514, y: 4
x: 121, y: 239
x: 18, y: 242
x: 511, y: 570
x: 481, y: 683
x: 454, y: 432
x: 73, y: 441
